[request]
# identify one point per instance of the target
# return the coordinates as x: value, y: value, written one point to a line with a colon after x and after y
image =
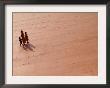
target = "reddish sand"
x: 61, y: 44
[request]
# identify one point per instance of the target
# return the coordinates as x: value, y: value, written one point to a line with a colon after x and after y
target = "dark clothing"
x: 22, y: 35
x: 26, y: 37
x: 20, y: 40
x: 23, y: 38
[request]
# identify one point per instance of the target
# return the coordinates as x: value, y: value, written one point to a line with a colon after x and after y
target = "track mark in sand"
x: 28, y: 57
x: 26, y: 63
x: 57, y: 61
x: 23, y: 64
x: 41, y: 54
x: 73, y: 63
x: 33, y: 54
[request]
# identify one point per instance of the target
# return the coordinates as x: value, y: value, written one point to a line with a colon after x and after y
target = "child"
x: 20, y: 40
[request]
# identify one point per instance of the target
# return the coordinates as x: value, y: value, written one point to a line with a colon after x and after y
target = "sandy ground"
x: 61, y: 44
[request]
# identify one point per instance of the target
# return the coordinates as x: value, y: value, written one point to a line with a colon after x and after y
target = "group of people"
x: 24, y: 38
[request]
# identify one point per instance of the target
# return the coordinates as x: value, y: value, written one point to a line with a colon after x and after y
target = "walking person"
x: 20, y: 40
x: 22, y: 34
x: 26, y: 37
x: 23, y: 38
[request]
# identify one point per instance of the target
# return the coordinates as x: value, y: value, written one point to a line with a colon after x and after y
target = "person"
x: 26, y: 37
x: 22, y: 34
x: 20, y: 40
x: 23, y: 38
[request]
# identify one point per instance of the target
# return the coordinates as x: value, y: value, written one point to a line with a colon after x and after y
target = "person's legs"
x: 20, y: 43
x: 27, y: 41
x: 23, y: 43
x: 23, y: 40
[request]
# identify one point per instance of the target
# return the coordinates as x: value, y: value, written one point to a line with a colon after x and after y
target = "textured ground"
x: 61, y: 44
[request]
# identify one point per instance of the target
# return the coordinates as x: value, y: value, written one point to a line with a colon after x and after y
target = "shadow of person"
x: 29, y: 46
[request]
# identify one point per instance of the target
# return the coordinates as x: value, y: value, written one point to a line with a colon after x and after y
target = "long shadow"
x: 29, y: 46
